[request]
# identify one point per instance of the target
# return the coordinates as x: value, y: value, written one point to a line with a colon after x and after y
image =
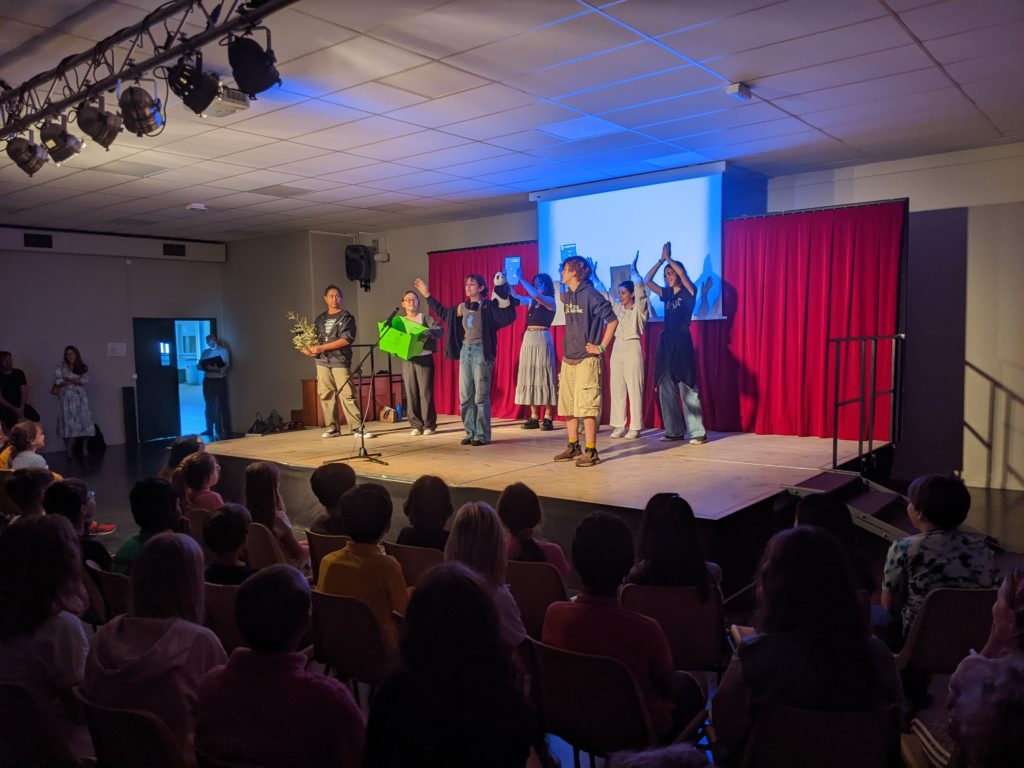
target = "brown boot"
x: 589, y: 458
x: 571, y: 452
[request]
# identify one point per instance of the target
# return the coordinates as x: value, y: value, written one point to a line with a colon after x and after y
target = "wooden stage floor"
x: 728, y: 474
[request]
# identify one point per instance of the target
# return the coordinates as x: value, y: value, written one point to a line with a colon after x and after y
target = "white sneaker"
x: 428, y: 431
x: 364, y: 432
x: 617, y: 433
x: 415, y: 432
x: 633, y: 434
x: 332, y: 432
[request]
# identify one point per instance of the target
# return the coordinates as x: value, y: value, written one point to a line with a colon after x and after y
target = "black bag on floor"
x: 96, y: 443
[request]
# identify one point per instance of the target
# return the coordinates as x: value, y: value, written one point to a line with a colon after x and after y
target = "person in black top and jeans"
x: 13, y: 392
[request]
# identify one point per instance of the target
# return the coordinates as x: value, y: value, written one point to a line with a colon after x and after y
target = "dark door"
x: 156, y: 385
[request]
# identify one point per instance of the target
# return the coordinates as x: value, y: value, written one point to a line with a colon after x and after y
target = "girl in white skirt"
x: 535, y: 385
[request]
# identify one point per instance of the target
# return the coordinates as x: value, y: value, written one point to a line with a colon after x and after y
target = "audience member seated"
x: 264, y: 502
x: 674, y: 756
x: 329, y: 482
x: 669, y: 551
x: 154, y: 507
x: 813, y: 651
x: 72, y: 499
x: 428, y: 508
x: 193, y: 480
x: 154, y: 657
x: 361, y: 569
x: 26, y: 488
x: 986, y: 693
x: 263, y: 708
x: 941, y: 554
x: 24, y: 443
x: 478, y: 540
x: 43, y: 645
x: 519, y: 510
x: 596, y: 623
x: 182, y: 446
x: 224, y: 536
x: 456, y: 701
x: 829, y: 512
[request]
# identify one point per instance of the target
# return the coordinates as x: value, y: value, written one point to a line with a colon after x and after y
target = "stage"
x: 730, y: 482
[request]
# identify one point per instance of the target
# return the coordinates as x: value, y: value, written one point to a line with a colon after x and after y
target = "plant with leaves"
x: 303, y: 332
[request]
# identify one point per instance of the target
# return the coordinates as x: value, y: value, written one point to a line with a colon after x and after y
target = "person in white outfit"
x: 627, y: 362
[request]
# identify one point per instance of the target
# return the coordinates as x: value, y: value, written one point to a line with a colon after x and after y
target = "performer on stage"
x: 627, y: 363
x: 336, y: 330
x: 535, y: 383
x: 579, y: 382
x: 675, y: 363
x: 418, y: 372
x: 471, y: 337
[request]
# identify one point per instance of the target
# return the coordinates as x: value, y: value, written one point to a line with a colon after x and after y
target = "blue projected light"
x: 165, y: 353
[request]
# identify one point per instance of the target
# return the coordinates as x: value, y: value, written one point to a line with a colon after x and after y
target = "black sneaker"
x: 477, y: 441
x: 589, y: 458
x: 571, y: 452
x: 466, y: 440
x: 699, y: 440
x: 530, y: 424
x: 546, y: 425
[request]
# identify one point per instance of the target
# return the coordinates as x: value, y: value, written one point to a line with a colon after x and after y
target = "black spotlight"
x: 98, y: 124
x: 58, y: 142
x: 141, y: 113
x: 26, y: 154
x: 195, y: 88
x: 251, y: 66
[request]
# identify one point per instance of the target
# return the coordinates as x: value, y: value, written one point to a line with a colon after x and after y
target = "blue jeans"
x: 475, y: 392
x: 689, y: 417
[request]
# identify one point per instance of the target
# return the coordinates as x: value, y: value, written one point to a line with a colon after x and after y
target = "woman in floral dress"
x: 74, y: 419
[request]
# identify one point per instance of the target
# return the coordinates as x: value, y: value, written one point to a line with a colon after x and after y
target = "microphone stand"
x: 362, y: 454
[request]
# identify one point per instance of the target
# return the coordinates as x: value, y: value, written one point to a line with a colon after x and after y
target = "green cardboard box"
x: 404, y: 340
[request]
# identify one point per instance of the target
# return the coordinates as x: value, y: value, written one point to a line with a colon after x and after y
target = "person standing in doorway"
x: 214, y: 363
x: 13, y: 394
x: 336, y: 331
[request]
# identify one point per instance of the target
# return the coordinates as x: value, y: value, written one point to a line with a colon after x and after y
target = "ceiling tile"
x: 212, y: 144
x: 355, y: 61
x: 374, y: 97
x: 739, y: 114
x: 368, y: 131
x: 644, y: 90
x: 656, y: 17
x: 485, y: 100
x: 365, y: 16
x: 434, y: 80
x: 944, y: 18
x: 409, y: 181
x: 525, y: 140
x: 519, y: 119
x: 319, y: 162
x: 979, y: 42
x: 864, y: 92
x: 993, y: 67
x: 274, y: 154
x: 304, y: 117
x: 895, y: 60
x: 712, y: 100
x: 406, y: 146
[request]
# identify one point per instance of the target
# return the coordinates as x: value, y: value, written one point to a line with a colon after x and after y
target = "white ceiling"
x: 395, y: 113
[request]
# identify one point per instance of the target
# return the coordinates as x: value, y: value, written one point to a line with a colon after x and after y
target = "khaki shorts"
x: 579, y: 388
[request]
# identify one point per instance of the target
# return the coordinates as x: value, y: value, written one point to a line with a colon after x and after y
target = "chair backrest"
x: 695, y: 629
x: 415, y: 561
x: 220, y: 615
x: 786, y: 737
x: 535, y: 586
x: 116, y: 589
x: 262, y: 546
x: 127, y: 738
x: 592, y: 702
x: 6, y: 505
x: 28, y: 734
x: 348, y: 639
x: 320, y: 545
x: 96, y: 612
x: 948, y: 625
x: 196, y: 518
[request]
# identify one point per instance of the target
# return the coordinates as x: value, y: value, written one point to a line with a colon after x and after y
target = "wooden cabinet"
x: 384, y: 390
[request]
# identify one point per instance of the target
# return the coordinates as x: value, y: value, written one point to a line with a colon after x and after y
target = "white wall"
x: 990, y: 183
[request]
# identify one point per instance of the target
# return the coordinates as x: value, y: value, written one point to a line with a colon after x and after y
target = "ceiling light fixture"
x: 251, y: 66
x: 142, y: 113
x: 60, y: 144
x: 196, y: 89
x: 26, y: 154
x: 739, y: 91
x: 98, y: 124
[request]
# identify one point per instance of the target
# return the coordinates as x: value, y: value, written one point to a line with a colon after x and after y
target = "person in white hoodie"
x: 154, y: 657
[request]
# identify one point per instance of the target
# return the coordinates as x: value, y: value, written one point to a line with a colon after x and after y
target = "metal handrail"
x: 995, y: 386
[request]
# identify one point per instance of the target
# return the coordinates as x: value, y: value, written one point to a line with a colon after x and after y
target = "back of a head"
x: 519, y: 509
x: 602, y: 552
x: 27, y: 486
x: 824, y: 510
x: 167, y: 581
x: 668, y: 543
x: 23, y: 436
x: 943, y: 499
x: 154, y: 505
x: 194, y: 472
x: 182, y: 446
x: 67, y: 498
x: 330, y: 481
x: 477, y: 539
x: 272, y: 609
x: 429, y: 504
x: 262, y: 479
x: 40, y: 562
x: 366, y: 511
x: 226, y: 529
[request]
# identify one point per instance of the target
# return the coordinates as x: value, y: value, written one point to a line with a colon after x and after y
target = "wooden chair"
x: 415, y: 561
x: 220, y: 615
x: 262, y: 547
x: 128, y: 738
x: 348, y: 639
x: 695, y: 629
x: 196, y: 518
x: 28, y: 735
x: 949, y: 624
x: 96, y: 613
x: 786, y: 737
x: 116, y: 589
x: 535, y: 586
x: 320, y: 545
x: 592, y: 702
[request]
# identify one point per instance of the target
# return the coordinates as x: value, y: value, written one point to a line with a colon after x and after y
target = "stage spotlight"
x: 196, y: 89
x: 141, y: 113
x: 26, y: 154
x: 251, y: 66
x: 98, y: 124
x: 60, y: 144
